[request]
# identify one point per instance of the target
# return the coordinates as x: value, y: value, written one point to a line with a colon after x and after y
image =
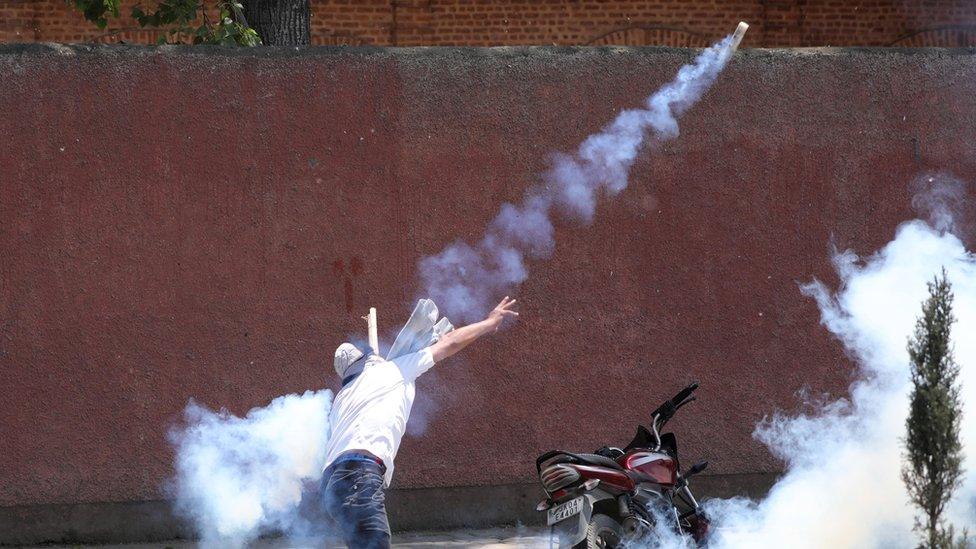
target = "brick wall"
x: 776, y: 23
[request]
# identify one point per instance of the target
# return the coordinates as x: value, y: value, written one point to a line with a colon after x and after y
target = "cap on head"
x: 345, y: 355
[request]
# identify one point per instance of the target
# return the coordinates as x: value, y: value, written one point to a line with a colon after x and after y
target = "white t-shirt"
x: 371, y: 412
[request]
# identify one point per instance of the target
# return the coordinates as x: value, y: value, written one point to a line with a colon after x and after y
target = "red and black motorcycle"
x: 613, y: 497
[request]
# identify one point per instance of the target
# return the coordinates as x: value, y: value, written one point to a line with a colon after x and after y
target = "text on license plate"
x: 565, y: 510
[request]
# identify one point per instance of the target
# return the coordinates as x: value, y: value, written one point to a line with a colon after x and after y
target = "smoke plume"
x: 466, y: 279
x: 237, y: 478
x: 842, y: 485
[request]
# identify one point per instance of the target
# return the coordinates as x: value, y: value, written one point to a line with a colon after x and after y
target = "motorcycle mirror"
x: 696, y: 468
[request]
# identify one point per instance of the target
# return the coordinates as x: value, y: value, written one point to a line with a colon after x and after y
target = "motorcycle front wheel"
x: 602, y: 532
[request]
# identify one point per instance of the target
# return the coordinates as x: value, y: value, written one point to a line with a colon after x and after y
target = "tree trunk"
x: 279, y: 22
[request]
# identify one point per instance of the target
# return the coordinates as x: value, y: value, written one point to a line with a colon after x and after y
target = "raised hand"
x: 503, y: 309
x: 456, y: 340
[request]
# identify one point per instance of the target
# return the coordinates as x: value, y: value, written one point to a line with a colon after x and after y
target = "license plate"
x: 565, y: 510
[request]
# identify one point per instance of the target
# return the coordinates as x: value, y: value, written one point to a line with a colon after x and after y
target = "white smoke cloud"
x: 466, y: 279
x: 842, y: 485
x: 942, y: 200
x: 237, y: 478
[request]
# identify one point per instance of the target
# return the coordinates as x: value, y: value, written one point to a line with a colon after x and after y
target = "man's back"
x: 369, y: 417
x: 370, y: 412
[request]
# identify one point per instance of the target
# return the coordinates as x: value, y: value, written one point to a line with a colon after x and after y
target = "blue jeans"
x: 352, y: 494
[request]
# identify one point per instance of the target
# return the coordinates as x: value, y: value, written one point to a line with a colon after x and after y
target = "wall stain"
x: 346, y: 276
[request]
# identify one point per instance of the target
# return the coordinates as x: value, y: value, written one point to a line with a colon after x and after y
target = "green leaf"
x: 178, y: 20
x: 96, y: 10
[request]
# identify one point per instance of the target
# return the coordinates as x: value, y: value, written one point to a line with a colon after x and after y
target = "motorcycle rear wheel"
x: 602, y: 532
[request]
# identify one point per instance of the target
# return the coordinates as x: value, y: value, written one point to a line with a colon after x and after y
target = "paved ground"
x: 493, y: 538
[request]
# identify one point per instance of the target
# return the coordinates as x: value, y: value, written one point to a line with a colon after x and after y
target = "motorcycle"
x: 615, y: 496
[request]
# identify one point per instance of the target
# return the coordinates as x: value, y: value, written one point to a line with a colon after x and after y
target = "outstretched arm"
x: 460, y: 338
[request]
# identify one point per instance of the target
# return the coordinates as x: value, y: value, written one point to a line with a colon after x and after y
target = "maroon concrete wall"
x: 185, y: 223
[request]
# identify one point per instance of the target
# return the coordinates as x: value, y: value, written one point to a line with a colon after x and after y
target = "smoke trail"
x: 465, y: 279
x: 237, y: 478
x: 842, y: 486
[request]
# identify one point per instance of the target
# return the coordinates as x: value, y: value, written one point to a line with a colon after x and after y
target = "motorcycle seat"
x: 583, y: 459
x: 594, y: 459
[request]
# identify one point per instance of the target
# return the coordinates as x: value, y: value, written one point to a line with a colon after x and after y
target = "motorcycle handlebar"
x: 671, y: 406
x: 684, y: 393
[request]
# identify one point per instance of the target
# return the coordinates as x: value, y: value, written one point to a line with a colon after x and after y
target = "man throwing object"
x: 369, y: 416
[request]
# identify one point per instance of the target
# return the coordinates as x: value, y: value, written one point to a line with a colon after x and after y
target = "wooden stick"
x: 374, y: 340
x: 739, y: 33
